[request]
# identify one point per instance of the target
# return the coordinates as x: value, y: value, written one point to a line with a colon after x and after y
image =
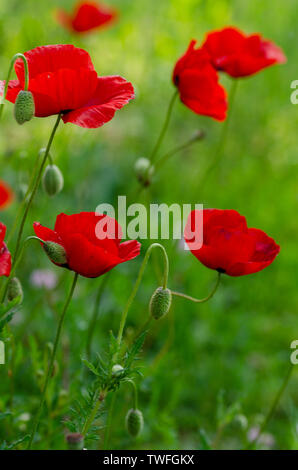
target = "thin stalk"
x: 12, y: 62
x: 91, y: 418
x: 28, y: 206
x: 164, y: 127
x: 200, y: 301
x: 137, y: 284
x: 135, y: 394
x: 52, y: 360
x: 274, y: 405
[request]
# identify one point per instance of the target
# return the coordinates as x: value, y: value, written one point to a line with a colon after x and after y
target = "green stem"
x: 274, y: 405
x: 224, y: 133
x: 34, y: 190
x: 197, y: 137
x: 12, y: 62
x: 91, y: 418
x: 93, y: 321
x: 200, y: 301
x: 52, y: 360
x: 135, y: 394
x: 137, y: 284
x: 164, y: 127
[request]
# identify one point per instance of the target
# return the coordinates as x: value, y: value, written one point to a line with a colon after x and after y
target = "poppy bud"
x: 117, y: 370
x: 134, y: 422
x: 75, y: 441
x: 14, y: 289
x: 160, y: 302
x: 52, y: 180
x: 24, y: 107
x: 144, y: 171
x: 55, y: 252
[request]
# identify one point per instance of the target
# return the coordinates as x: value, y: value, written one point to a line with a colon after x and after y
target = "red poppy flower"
x: 87, y: 16
x: 6, y: 195
x: 229, y: 246
x: 198, y: 86
x: 5, y: 258
x: 239, y: 55
x: 91, y: 242
x: 63, y: 80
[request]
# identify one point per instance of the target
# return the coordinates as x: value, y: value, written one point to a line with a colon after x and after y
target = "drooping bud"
x: 55, y: 252
x: 160, y: 302
x: 52, y: 180
x: 15, y: 289
x: 134, y: 422
x: 144, y: 171
x: 24, y: 107
x: 117, y: 370
x: 75, y: 441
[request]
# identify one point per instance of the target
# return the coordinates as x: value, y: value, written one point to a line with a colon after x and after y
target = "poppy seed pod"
x: 14, y: 289
x: 52, y: 180
x: 134, y: 422
x: 160, y: 303
x: 24, y: 107
x: 144, y: 171
x: 75, y: 441
x: 55, y: 252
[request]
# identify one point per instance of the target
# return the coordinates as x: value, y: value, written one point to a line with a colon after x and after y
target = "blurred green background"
x: 222, y: 362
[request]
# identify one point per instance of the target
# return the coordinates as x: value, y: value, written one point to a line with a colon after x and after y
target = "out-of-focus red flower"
x: 197, y: 82
x: 240, y: 55
x: 5, y: 258
x: 229, y: 246
x: 87, y: 16
x: 63, y: 80
x: 6, y: 195
x: 91, y: 242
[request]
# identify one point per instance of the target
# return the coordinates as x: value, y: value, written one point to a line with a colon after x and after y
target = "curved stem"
x: 93, y: 321
x: 224, y: 133
x: 34, y: 190
x: 164, y: 127
x: 197, y: 137
x: 274, y: 405
x: 200, y: 301
x: 12, y: 62
x: 137, y: 284
x: 52, y: 360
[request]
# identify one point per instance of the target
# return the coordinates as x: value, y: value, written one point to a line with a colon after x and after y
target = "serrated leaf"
x: 91, y: 367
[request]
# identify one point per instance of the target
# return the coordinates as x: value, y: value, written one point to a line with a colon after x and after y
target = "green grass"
x: 235, y: 348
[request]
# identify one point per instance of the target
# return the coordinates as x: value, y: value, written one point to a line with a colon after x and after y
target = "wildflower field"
x: 112, y: 338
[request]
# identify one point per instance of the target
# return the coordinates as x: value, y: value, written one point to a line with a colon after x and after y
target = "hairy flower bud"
x: 134, y: 422
x: 144, y: 171
x: 75, y: 441
x: 52, y: 180
x: 15, y: 289
x: 160, y: 302
x: 55, y: 252
x: 117, y: 370
x: 24, y: 107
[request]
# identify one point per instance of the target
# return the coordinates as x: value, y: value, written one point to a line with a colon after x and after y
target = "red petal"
x: 112, y: 93
x: 5, y: 261
x: 2, y: 232
x: 90, y: 15
x: 129, y: 250
x: 45, y: 233
x: 6, y: 195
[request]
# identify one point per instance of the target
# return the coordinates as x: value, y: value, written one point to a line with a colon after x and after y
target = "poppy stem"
x: 52, y: 360
x: 205, y: 299
x: 164, y: 127
x: 274, y: 405
x: 224, y: 133
x: 12, y: 62
x: 29, y: 203
x: 137, y: 284
x: 199, y: 135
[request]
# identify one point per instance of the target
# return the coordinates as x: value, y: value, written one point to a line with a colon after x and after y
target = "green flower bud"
x: 117, y: 370
x: 24, y: 107
x: 14, y: 289
x: 134, y: 422
x: 55, y: 252
x: 52, y: 180
x: 144, y: 171
x: 75, y: 441
x: 160, y: 303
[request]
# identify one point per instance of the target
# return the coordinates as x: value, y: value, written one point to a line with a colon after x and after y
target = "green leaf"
x: 91, y: 367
